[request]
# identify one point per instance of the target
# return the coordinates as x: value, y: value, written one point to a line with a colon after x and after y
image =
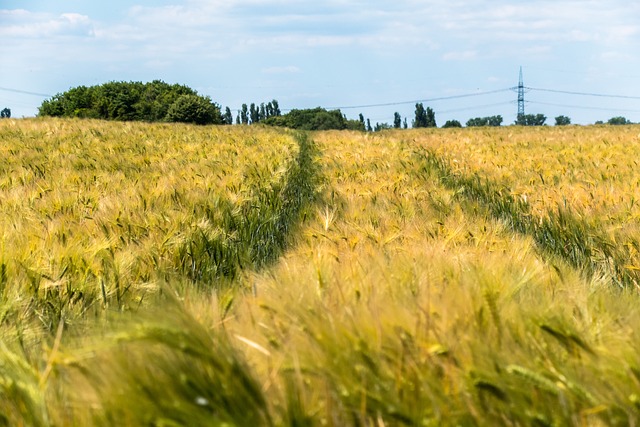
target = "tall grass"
x: 397, y: 298
x: 162, y: 368
x: 458, y: 321
x: 95, y: 214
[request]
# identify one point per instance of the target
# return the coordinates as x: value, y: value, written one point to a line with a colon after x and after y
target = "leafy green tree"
x: 477, y: 122
x: 382, y: 126
x: 420, y: 120
x: 155, y: 98
x: 369, y: 128
x: 122, y: 108
x: 53, y: 107
x: 563, y: 121
x: 355, y: 125
x: 405, y: 124
x: 257, y: 113
x: 531, y: 120
x: 275, y: 109
x: 397, y: 120
x: 5, y: 113
x: 495, y: 120
x: 80, y: 100
x: 424, y: 118
x: 254, y: 114
x: 618, y: 121
x: 244, y: 114
x: 452, y: 124
x: 194, y: 109
x: 262, y: 112
x: 485, y: 121
x: 117, y: 101
x: 310, y: 119
x: 227, y: 117
x: 431, y: 118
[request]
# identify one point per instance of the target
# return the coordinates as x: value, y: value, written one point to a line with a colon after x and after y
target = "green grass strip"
x: 256, y: 232
x: 561, y: 233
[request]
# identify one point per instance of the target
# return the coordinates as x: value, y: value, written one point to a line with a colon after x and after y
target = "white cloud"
x: 24, y: 24
x: 183, y: 16
x: 506, y: 21
x: 199, y: 41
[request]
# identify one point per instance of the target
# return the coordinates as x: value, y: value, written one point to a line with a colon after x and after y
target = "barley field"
x: 176, y: 275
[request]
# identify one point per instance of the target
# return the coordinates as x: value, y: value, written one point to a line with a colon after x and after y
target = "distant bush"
x: 563, y: 121
x: 382, y: 126
x: 531, y: 120
x: 193, y: 109
x: 314, y: 119
x: 131, y: 101
x: 452, y: 124
x: 618, y: 121
x: 485, y: 121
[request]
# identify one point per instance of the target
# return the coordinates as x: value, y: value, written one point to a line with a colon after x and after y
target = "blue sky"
x: 336, y: 53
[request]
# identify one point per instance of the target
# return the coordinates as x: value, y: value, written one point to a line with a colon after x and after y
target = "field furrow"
x: 561, y: 232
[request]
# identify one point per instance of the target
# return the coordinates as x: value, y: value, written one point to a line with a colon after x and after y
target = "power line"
x: 443, y: 98
x: 24, y: 92
x: 567, y: 92
x: 455, y: 110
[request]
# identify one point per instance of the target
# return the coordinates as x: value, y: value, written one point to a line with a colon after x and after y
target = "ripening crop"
x: 576, y: 189
x: 96, y: 212
x: 405, y: 302
x: 591, y: 170
x: 179, y: 275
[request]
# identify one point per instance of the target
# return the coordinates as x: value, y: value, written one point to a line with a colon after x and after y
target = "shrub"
x: 618, y: 121
x: 125, y: 101
x: 452, y: 124
x: 194, y: 109
x: 485, y: 121
x: 312, y: 119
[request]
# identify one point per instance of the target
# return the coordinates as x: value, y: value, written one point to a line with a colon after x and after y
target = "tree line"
x: 159, y: 101
x: 126, y: 101
x: 254, y: 113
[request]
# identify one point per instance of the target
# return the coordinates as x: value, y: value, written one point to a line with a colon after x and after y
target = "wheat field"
x: 180, y: 275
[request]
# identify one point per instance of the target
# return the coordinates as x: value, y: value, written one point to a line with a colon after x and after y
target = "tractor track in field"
x: 561, y: 233
x: 258, y: 231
